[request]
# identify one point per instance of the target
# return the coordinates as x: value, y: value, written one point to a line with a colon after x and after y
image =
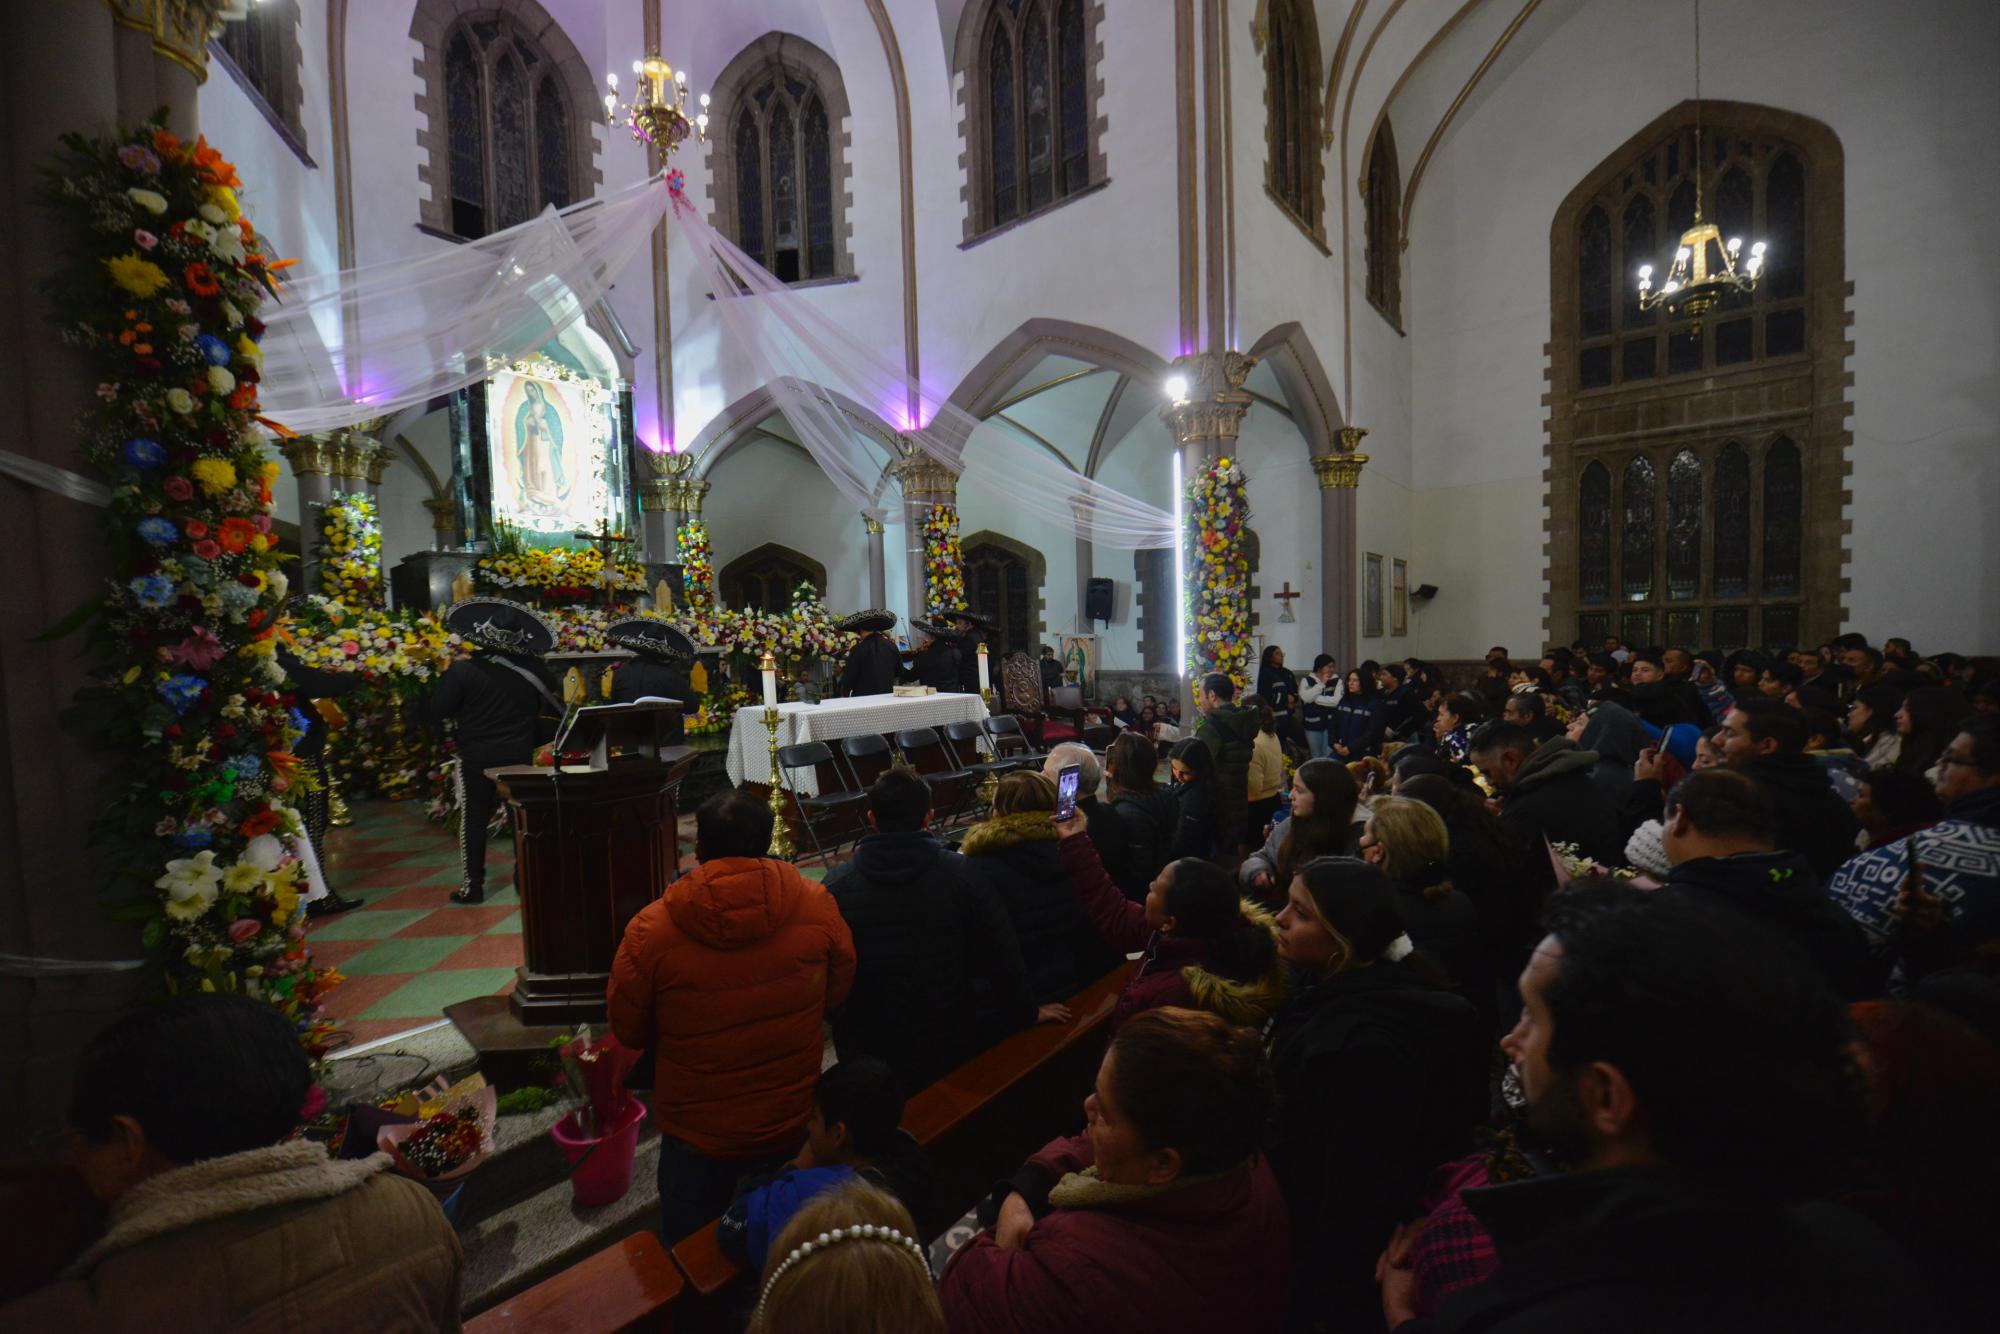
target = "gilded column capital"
x: 873, y: 527
x: 1342, y: 468
x: 309, y: 455
x: 924, y: 478
x: 444, y: 521
x: 180, y: 29
x: 691, y: 496
x: 667, y: 464
x: 1214, y: 401
x: 657, y: 495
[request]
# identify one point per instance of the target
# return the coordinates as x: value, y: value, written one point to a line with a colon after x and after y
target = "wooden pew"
x: 976, y: 1125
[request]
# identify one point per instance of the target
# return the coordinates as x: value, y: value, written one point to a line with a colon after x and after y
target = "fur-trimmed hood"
x: 1248, y: 1001
x: 237, y: 1183
x: 1002, y: 832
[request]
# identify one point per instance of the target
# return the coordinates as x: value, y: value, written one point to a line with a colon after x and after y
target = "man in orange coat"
x: 728, y: 976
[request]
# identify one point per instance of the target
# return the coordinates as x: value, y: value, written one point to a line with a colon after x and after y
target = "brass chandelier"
x: 658, y: 115
x: 1704, y: 267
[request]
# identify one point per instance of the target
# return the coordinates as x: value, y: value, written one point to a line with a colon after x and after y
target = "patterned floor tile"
x: 352, y: 998
x: 425, y: 996
x: 510, y: 925
x: 459, y: 920
x: 484, y: 952
x: 368, y: 923
x: 403, y: 954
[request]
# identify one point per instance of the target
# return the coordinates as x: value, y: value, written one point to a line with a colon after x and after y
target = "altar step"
x: 518, y: 1220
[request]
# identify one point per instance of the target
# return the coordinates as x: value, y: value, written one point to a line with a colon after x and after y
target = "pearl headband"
x: 858, y: 1232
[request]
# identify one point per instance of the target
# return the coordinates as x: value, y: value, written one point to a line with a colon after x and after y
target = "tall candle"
x: 985, y: 681
x: 770, y: 666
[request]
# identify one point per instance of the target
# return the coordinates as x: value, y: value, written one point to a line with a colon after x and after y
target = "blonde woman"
x: 1409, y: 842
x: 1012, y: 854
x: 849, y: 1262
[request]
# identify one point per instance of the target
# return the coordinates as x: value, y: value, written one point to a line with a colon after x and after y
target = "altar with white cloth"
x: 864, y: 715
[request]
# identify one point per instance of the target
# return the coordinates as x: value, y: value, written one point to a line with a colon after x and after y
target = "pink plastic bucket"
x: 601, y: 1167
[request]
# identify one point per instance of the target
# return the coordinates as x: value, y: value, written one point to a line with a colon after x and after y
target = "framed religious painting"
x: 550, y: 437
x: 1371, y: 598
x: 1399, y: 597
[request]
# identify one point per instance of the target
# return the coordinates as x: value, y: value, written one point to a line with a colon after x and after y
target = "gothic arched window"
x: 1382, y: 199
x: 502, y: 134
x: 1293, y: 166
x: 1697, y: 477
x: 778, y: 163
x: 765, y: 579
x: 1030, y: 100
x: 262, y: 50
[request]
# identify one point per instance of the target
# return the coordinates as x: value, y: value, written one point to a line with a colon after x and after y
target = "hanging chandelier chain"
x: 1697, y: 111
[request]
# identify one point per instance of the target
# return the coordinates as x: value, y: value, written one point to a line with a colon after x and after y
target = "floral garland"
x: 1218, y: 573
x: 944, y: 575
x: 563, y: 571
x: 196, y: 840
x: 697, y: 567
x: 350, y: 552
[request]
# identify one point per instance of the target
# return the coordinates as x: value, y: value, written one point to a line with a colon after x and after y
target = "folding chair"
x: 843, y: 805
x: 1011, y: 743
x: 868, y: 758
x: 925, y: 753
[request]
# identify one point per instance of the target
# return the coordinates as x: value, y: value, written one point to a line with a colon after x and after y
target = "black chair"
x: 868, y: 758
x: 962, y: 740
x: 1011, y: 743
x: 924, y: 752
x: 841, y: 808
x: 1099, y: 736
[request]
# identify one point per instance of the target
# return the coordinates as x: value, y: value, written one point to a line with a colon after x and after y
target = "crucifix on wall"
x: 1286, y: 595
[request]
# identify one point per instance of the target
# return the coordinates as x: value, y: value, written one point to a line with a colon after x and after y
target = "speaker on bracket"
x: 1424, y: 592
x: 1097, y: 599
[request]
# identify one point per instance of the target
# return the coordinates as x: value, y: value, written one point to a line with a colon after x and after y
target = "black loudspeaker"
x: 1424, y: 592
x: 1097, y: 599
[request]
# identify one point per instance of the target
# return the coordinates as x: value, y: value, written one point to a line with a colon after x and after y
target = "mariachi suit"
x: 497, y: 701
x: 641, y: 678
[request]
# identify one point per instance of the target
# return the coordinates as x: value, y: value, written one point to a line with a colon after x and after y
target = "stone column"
x: 1339, y: 586
x: 660, y: 504
x: 1085, y: 557
x: 878, y: 574
x: 318, y: 468
x: 1205, y: 421
x: 66, y: 65
x: 925, y: 483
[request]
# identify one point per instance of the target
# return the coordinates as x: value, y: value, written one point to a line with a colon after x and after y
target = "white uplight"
x: 1177, y: 390
x: 1180, y: 573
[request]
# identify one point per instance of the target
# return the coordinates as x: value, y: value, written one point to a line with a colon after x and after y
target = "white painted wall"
x: 1909, y: 91
x: 768, y: 492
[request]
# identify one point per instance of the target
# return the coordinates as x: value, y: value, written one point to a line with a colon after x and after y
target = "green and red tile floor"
x: 409, y: 951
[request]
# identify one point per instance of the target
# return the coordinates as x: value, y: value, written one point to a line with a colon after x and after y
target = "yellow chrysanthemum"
x: 214, y: 476
x: 138, y: 276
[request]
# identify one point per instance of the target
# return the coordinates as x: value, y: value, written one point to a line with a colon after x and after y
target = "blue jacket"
x: 755, y: 1218
x: 1358, y: 724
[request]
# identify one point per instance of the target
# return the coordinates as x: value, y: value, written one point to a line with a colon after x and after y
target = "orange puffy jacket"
x: 728, y: 975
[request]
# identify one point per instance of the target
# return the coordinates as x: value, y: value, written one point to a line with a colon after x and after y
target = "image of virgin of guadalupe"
x: 538, y: 454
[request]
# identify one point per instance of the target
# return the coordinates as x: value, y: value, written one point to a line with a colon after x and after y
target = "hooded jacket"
x: 1202, y: 1253
x: 1780, y: 893
x: 267, y: 1240
x: 1616, y: 736
x: 929, y: 939
x: 1812, y: 819
x: 1647, y: 1251
x: 1175, y: 970
x: 756, y: 1217
x: 1381, y: 1076
x: 1230, y: 733
x: 1148, y: 819
x: 1014, y: 858
x: 728, y: 976
x: 1555, y: 797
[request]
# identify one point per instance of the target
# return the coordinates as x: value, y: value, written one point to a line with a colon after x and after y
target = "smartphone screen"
x: 1066, y: 783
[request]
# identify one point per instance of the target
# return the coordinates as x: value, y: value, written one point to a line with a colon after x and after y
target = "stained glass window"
x: 1781, y: 627
x: 466, y: 129
x: 512, y: 199
x: 1732, y: 522
x: 1636, y: 546
x: 1684, y: 504
x: 1730, y: 627
x: 551, y: 144
x: 1000, y: 100
x: 1041, y: 119
x: 819, y: 191
x: 784, y: 195
x: 1075, y: 98
x: 1684, y: 629
x: 1784, y: 489
x: 1593, y: 626
x: 263, y: 45
x: 1593, y: 274
x: 1636, y: 627
x: 1593, y: 521
x: 750, y: 185
x: 1785, y: 227
x: 1291, y: 128
x: 1384, y: 239
x: 1640, y: 244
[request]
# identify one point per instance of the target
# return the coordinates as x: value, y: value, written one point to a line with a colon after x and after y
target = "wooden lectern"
x: 593, y: 844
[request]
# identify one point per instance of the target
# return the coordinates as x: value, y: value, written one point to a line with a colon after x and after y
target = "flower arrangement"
x: 161, y: 286
x: 1218, y: 590
x: 350, y: 551
x: 944, y: 575
x: 697, y: 568
x: 572, y: 572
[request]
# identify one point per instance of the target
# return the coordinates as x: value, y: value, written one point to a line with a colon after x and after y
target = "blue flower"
x: 213, y: 350
x: 160, y: 532
x: 153, y: 590
x: 194, y: 839
x: 182, y: 692
x: 143, y: 454
x: 242, y: 766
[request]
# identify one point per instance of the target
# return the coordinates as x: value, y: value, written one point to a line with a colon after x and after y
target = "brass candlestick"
x: 781, y: 834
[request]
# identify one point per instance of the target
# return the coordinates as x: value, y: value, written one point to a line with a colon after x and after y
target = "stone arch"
x: 994, y: 374
x: 730, y: 428
x: 1300, y: 373
x: 1031, y: 559
x: 766, y: 567
x: 799, y: 57
x: 429, y: 25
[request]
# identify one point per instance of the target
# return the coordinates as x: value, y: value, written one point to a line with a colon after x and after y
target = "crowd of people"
x: 1626, y: 989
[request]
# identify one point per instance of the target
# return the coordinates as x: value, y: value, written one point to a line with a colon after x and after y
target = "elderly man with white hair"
x: 1105, y: 827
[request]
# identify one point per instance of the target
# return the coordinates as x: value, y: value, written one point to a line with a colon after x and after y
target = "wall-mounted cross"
x: 1286, y: 595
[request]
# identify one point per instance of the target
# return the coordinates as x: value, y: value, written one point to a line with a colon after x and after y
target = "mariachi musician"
x: 872, y: 663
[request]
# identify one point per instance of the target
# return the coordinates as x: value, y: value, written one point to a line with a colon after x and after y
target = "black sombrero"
x: 655, y: 639
x: 934, y: 631
x: 874, y: 618
x: 500, y: 625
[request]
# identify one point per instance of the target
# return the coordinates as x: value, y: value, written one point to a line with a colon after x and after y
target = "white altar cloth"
x: 750, y: 745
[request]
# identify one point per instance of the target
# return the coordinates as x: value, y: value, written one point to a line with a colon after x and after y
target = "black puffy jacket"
x: 1014, y: 857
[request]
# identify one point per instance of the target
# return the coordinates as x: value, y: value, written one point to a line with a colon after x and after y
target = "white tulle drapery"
x: 369, y: 342
x: 373, y: 341
x: 811, y: 365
